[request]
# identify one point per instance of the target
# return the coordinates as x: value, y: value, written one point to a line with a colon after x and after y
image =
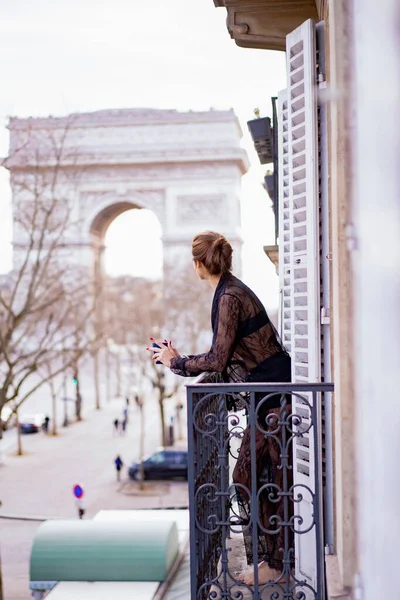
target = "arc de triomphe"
x: 184, y: 166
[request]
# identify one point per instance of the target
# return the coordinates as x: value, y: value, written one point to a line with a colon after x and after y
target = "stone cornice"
x: 237, y: 156
x: 124, y: 117
x: 266, y: 23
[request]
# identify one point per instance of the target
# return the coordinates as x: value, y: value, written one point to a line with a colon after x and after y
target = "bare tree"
x: 1, y: 579
x: 133, y: 312
x: 137, y: 309
x: 55, y: 387
x: 71, y: 361
x: 37, y: 298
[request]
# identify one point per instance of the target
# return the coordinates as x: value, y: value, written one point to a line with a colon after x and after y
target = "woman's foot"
x: 265, y: 574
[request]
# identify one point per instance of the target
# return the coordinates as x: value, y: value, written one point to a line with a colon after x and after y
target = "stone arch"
x: 103, y: 208
x: 99, y: 217
x: 106, y: 210
x: 103, y: 219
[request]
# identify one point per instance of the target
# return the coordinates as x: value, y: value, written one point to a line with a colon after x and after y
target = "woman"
x: 242, y: 332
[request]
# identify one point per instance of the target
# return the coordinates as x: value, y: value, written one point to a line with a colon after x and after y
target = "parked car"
x: 164, y: 464
x: 31, y: 423
x: 7, y: 418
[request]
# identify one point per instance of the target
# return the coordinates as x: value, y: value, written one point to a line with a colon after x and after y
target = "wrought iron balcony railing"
x: 256, y: 490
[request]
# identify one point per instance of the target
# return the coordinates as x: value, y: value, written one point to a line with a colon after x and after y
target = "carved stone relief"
x: 200, y: 208
x: 200, y: 170
x: 139, y: 137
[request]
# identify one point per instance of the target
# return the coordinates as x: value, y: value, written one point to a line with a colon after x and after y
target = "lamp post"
x: 179, y: 407
x: 65, y: 422
x: 108, y: 371
x: 141, y: 444
x: 1, y: 577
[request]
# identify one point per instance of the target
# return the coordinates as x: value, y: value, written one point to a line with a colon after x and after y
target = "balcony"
x: 269, y: 503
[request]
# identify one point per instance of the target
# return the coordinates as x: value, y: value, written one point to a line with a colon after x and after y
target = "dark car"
x: 164, y: 464
x: 31, y: 423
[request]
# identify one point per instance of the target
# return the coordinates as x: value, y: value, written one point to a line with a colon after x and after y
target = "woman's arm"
x: 223, y: 342
x: 182, y: 372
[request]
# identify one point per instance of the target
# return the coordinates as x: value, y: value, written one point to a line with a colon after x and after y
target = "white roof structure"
x: 103, y: 590
x: 177, y: 589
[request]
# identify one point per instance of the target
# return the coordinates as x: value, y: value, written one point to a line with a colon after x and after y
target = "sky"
x: 73, y: 56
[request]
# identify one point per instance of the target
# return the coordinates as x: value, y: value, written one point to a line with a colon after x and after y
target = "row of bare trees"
x: 46, y: 301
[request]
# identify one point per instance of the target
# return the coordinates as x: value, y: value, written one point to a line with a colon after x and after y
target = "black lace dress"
x: 242, y: 331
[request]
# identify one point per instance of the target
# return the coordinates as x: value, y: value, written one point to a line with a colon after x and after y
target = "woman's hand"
x: 163, y: 354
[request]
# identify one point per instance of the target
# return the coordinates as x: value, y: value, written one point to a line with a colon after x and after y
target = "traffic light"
x: 74, y: 381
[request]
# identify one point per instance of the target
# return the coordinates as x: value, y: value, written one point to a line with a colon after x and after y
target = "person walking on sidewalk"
x: 118, y: 465
x: 123, y: 425
x: 116, y: 425
x: 80, y: 507
x: 46, y: 423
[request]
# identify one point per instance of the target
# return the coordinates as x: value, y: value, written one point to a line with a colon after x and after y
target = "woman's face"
x: 199, y: 269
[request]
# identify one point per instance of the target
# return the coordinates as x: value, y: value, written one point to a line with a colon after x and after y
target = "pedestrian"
x: 127, y: 401
x: 118, y: 465
x: 245, y: 347
x: 126, y: 414
x: 46, y: 424
x: 79, y: 506
x: 116, y: 425
x: 123, y: 424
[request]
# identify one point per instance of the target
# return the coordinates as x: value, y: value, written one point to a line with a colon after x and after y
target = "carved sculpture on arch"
x: 161, y: 172
x: 198, y: 209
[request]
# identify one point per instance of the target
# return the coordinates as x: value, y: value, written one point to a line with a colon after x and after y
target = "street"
x: 39, y: 484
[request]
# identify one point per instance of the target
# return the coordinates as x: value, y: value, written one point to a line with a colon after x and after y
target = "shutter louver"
x: 285, y: 228
x: 304, y: 270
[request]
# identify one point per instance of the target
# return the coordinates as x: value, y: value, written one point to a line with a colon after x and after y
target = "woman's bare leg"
x: 265, y: 574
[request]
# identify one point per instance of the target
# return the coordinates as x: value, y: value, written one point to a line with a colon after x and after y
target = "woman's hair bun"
x: 219, y: 243
x: 214, y: 251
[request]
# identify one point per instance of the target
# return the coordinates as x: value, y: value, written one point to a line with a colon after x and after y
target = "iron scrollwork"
x: 264, y: 509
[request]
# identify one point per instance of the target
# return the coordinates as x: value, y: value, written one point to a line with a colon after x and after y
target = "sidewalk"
x: 39, y: 484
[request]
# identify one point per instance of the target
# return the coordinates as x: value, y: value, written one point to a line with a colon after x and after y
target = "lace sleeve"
x: 223, y: 343
x: 177, y: 366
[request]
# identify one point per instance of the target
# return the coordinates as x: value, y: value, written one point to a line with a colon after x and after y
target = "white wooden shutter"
x: 285, y: 229
x: 304, y: 270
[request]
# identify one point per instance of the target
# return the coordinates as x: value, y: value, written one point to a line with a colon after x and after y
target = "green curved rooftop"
x: 103, y: 551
